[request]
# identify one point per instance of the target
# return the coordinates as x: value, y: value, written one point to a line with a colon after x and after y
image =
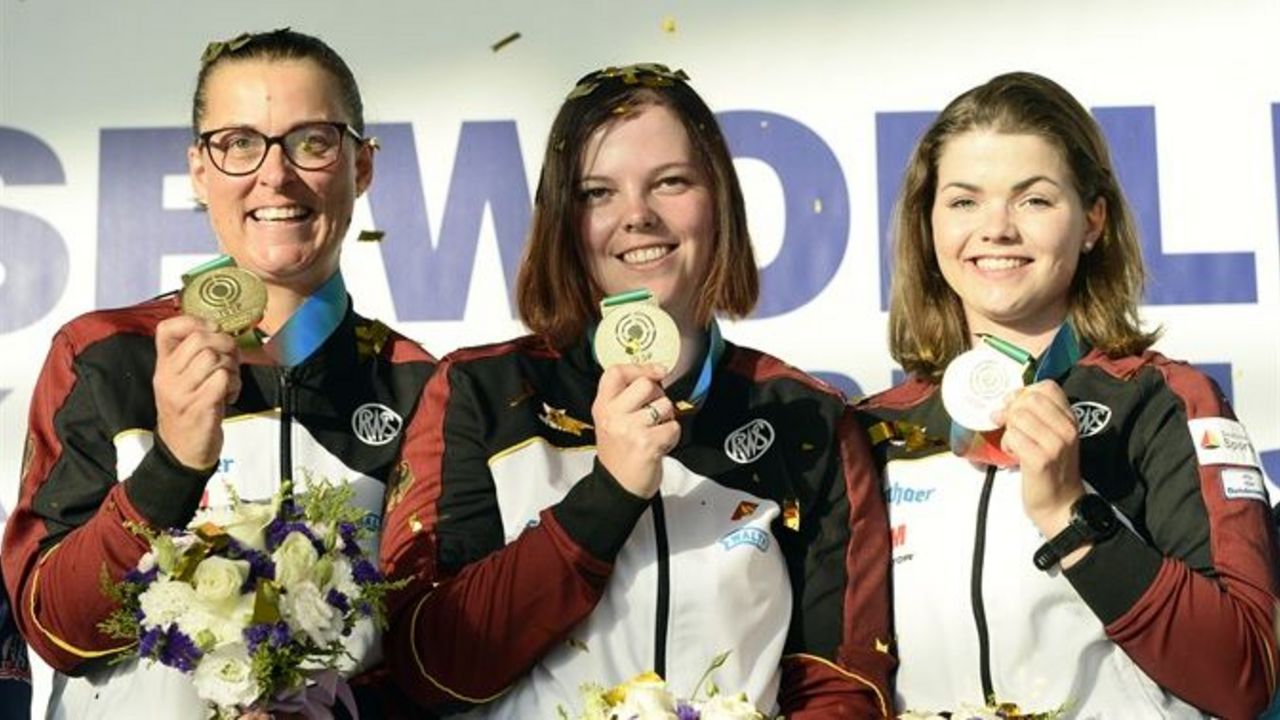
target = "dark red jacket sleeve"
x: 856, y: 682
x: 465, y: 629
x: 1195, y: 607
x: 69, y: 523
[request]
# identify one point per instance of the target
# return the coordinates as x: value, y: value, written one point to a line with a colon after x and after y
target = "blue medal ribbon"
x: 311, y: 324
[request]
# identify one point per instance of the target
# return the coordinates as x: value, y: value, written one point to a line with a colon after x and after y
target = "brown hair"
x: 283, y: 44
x: 555, y: 292
x: 927, y: 327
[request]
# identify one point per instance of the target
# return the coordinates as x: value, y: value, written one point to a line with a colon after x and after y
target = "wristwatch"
x: 1092, y: 520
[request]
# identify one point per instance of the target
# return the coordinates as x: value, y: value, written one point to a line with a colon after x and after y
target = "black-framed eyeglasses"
x: 310, y: 146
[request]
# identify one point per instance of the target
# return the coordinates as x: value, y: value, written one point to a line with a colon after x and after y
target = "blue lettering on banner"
x: 429, y: 280
x: 35, y: 258
x: 816, y: 202
x: 896, y: 494
x: 753, y: 536
x: 1182, y: 278
x: 135, y: 231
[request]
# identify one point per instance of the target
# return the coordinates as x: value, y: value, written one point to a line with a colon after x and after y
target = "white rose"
x: 218, y: 580
x: 342, y: 581
x: 224, y: 677
x: 164, y: 601
x: 225, y: 622
x: 246, y: 521
x: 646, y: 700
x: 295, y: 560
x: 729, y: 707
x: 305, y: 608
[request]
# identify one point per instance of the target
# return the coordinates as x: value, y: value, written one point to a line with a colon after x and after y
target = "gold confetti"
x: 505, y: 41
x: 668, y: 25
x: 806, y: 446
x: 791, y: 514
x: 370, y: 236
x: 817, y: 206
x: 415, y: 525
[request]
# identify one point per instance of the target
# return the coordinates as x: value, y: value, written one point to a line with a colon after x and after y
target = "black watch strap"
x: 1060, y: 546
x: 1092, y: 520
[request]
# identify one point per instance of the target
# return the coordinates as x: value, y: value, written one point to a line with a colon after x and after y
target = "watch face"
x: 1098, y: 518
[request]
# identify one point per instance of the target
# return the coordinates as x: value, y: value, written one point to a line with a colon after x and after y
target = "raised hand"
x: 197, y: 374
x: 635, y: 426
x: 1040, y: 432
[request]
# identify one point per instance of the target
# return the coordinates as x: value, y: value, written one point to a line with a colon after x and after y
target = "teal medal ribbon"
x: 983, y: 445
x: 310, y: 325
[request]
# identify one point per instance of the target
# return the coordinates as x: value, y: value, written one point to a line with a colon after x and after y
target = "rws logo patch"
x: 749, y: 442
x: 375, y: 423
x: 1091, y: 417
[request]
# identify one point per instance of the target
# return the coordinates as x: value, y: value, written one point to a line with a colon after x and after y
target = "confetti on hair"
x: 817, y: 206
x: 370, y: 236
x: 669, y: 25
x: 505, y: 41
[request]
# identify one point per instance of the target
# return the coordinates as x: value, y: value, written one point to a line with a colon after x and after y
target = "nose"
x: 276, y: 170
x: 998, y: 224
x: 639, y: 217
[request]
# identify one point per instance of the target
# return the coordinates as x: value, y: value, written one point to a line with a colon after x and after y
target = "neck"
x: 693, y: 341
x: 282, y: 303
x: 1034, y: 341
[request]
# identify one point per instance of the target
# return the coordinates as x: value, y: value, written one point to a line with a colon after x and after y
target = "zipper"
x: 975, y: 588
x: 664, y: 587
x: 286, y: 425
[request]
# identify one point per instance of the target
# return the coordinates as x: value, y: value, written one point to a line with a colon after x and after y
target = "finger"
x: 639, y: 393
x: 172, y: 331
x: 212, y: 391
x: 184, y: 358
x: 1048, y: 412
x: 618, y: 377
x: 665, y: 409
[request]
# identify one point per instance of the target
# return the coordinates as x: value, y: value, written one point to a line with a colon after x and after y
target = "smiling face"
x: 281, y: 223
x: 1008, y: 231
x: 647, y: 218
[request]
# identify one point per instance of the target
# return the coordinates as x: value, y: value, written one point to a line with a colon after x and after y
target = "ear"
x: 198, y: 169
x: 364, y: 166
x: 1095, y: 221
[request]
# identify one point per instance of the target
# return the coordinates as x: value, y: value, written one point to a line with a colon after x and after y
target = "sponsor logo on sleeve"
x: 1091, y: 417
x: 1221, y: 441
x: 375, y: 424
x: 749, y: 442
x: 1244, y: 484
x: 753, y: 536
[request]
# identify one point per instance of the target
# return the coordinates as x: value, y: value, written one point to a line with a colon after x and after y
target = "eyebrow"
x: 1017, y: 187
x: 659, y: 170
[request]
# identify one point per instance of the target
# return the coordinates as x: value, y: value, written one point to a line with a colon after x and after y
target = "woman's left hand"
x: 1040, y: 432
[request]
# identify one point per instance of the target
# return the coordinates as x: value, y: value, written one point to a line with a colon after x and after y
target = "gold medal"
x: 634, y: 330
x: 233, y: 298
x: 975, y: 385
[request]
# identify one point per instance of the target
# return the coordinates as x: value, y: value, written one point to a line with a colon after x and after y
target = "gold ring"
x: 654, y: 415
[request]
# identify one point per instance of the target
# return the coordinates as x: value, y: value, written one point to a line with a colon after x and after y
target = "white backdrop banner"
x: 821, y: 102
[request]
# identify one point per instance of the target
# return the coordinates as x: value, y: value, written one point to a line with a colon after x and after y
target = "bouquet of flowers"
x: 254, y: 600
x: 646, y: 697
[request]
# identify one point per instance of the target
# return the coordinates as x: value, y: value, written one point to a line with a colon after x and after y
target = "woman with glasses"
x: 578, y: 518
x: 1081, y: 526
x: 144, y: 414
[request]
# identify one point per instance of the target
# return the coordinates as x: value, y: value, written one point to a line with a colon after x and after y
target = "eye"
x: 594, y: 194
x: 962, y: 203
x: 238, y: 141
x: 673, y: 182
x: 1037, y: 201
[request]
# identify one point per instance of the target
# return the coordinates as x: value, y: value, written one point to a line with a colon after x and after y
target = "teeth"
x: 279, y: 213
x: 1003, y: 263
x: 645, y: 254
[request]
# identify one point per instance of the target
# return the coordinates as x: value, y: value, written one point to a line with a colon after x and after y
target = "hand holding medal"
x: 974, y: 388
x: 637, y: 344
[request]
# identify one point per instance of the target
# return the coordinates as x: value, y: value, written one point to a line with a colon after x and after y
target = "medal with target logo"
x: 974, y: 387
x: 232, y: 298
x: 635, y: 330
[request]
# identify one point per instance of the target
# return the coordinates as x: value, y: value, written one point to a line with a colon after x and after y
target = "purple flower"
x: 278, y: 530
x: 364, y: 573
x: 364, y: 608
x: 280, y: 635
x: 348, y: 531
x: 337, y: 599
x: 141, y: 578
x: 255, y: 635
x: 685, y: 711
x: 179, y: 651
x: 147, y: 643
